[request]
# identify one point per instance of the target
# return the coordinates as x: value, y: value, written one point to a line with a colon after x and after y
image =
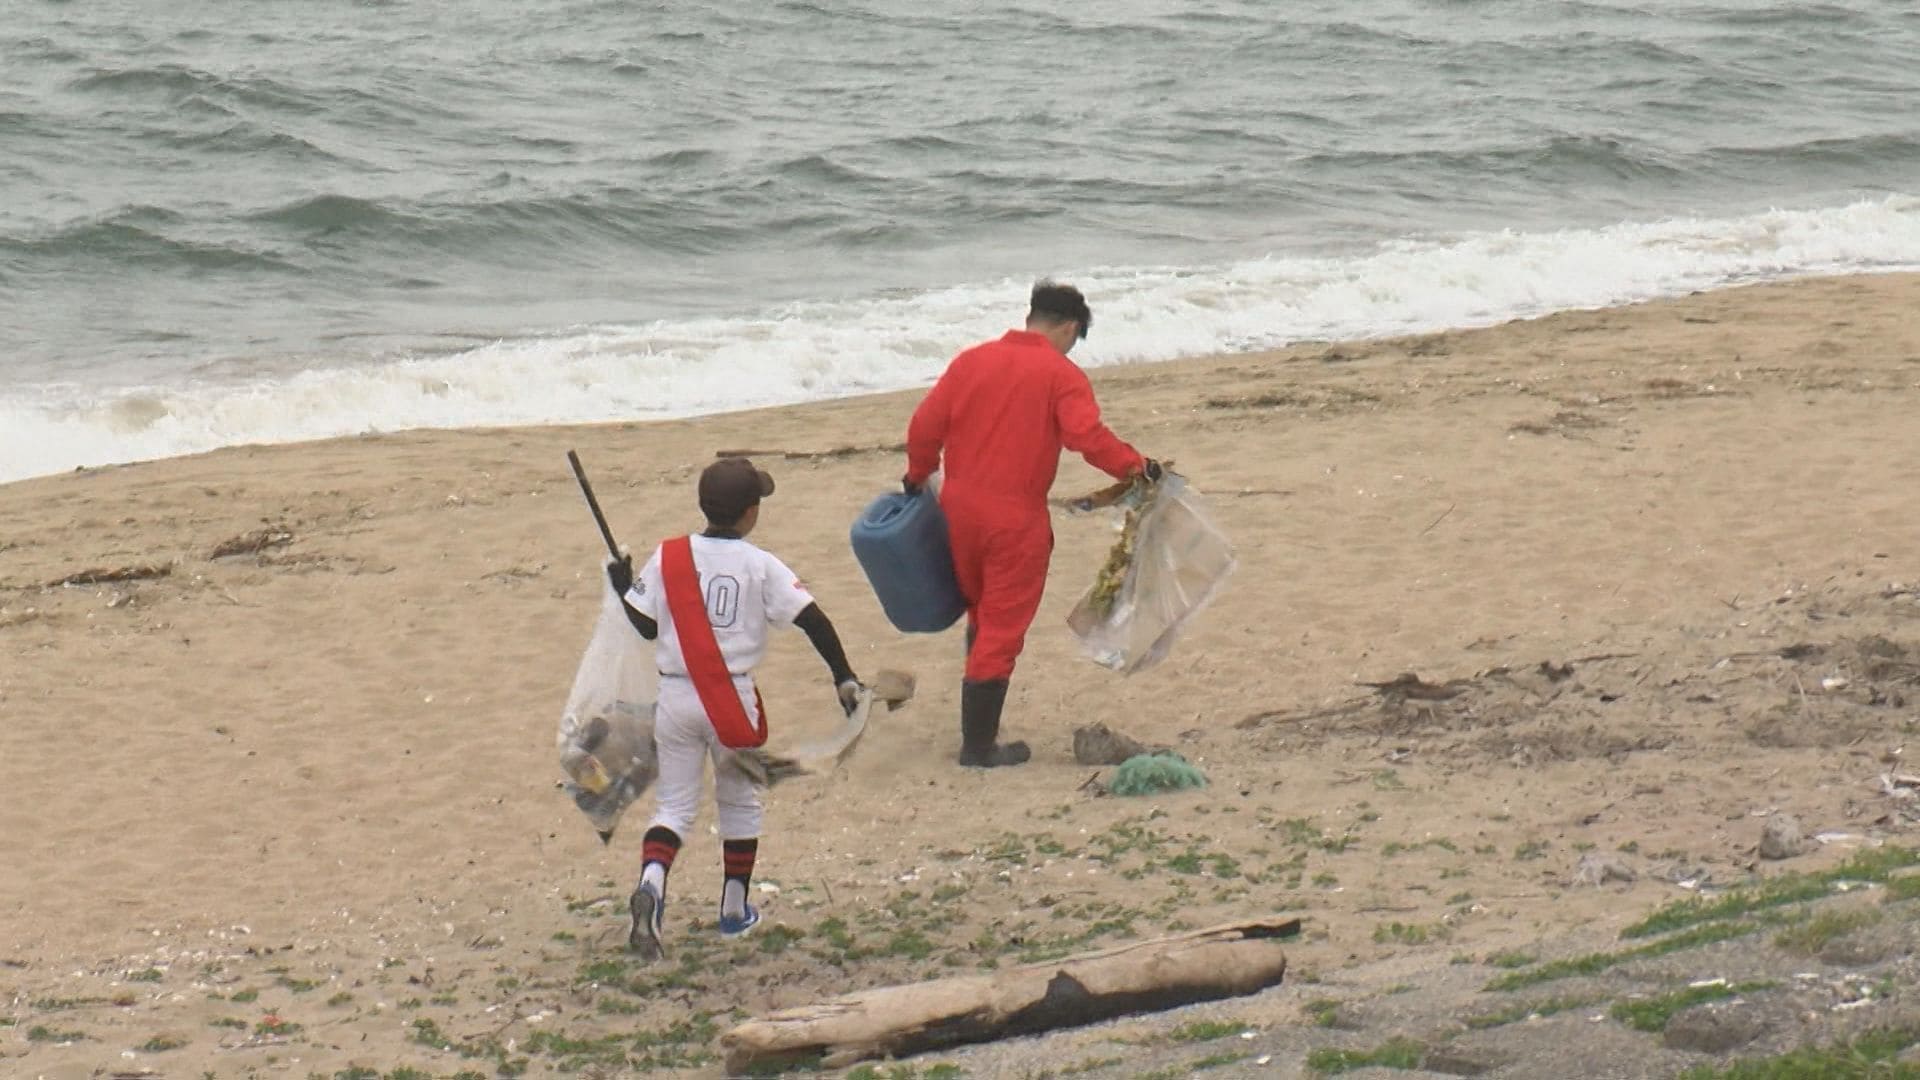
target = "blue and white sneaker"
x: 648, y: 908
x: 737, y: 925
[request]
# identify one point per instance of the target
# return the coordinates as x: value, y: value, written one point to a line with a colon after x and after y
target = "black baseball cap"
x: 730, y: 487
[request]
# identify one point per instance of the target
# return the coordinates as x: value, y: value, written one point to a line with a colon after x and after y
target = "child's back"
x: 708, y: 602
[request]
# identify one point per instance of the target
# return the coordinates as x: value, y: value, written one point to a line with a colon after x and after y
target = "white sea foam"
x: 811, y: 351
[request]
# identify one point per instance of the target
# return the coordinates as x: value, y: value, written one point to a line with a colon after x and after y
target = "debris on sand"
x: 1596, y: 870
x: 1902, y: 788
x: 1411, y: 687
x: 9, y: 618
x: 253, y: 543
x: 1566, y: 422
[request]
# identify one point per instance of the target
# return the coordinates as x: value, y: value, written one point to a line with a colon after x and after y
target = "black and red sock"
x: 736, y: 858
x: 657, y: 849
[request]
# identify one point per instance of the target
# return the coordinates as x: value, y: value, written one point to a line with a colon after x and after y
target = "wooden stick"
x: 1438, y: 520
x: 593, y: 504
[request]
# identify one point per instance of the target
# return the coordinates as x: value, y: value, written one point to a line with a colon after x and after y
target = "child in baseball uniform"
x: 708, y: 602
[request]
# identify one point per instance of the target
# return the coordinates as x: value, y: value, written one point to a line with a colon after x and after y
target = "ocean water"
x: 227, y: 223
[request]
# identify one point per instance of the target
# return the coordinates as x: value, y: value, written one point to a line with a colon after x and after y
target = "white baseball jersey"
x: 746, y: 590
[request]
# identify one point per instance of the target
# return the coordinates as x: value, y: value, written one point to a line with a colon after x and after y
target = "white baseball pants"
x: 684, y: 739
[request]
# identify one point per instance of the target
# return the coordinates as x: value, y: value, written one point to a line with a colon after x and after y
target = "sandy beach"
x: 292, y: 811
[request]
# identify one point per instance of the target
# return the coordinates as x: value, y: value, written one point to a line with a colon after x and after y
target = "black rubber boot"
x: 980, y: 705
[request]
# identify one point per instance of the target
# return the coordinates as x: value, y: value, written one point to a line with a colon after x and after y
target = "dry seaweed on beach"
x: 1113, y: 572
x: 829, y: 454
x: 1167, y: 564
x: 109, y: 575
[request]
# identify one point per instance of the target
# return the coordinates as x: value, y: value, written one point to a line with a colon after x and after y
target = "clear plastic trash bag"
x: 1167, y: 565
x: 606, y: 734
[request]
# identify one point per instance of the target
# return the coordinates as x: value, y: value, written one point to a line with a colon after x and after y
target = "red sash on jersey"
x: 701, y: 650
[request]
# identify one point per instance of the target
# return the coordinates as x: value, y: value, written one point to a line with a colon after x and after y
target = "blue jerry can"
x: 901, y: 542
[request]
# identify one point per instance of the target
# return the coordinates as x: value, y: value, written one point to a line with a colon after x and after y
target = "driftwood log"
x: 1225, y: 961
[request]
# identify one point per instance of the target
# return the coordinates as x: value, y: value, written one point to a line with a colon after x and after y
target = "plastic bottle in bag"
x: 605, y: 737
x: 580, y: 762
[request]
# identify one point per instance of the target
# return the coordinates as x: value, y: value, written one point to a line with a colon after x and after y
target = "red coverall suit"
x: 1002, y: 412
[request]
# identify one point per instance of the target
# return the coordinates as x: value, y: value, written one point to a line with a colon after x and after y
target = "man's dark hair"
x: 1055, y: 302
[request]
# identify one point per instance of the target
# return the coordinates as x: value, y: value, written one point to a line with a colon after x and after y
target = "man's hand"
x: 1153, y: 470
x: 849, y: 692
x: 620, y: 575
x: 909, y: 486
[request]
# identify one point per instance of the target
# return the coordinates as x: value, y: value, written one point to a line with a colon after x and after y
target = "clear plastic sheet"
x: 1169, y: 562
x: 606, y: 733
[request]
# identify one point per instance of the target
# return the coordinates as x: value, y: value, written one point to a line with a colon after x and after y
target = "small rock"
x: 1782, y: 838
x: 1596, y: 869
x: 1860, y: 949
x: 1098, y: 744
x: 1454, y: 1061
x: 1714, y: 1029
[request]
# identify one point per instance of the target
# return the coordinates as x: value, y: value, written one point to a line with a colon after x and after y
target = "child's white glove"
x: 849, y: 692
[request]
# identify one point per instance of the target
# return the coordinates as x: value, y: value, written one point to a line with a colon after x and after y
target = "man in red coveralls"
x: 1001, y: 413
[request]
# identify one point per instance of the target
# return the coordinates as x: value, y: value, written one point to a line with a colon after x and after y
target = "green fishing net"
x: 1145, y: 774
